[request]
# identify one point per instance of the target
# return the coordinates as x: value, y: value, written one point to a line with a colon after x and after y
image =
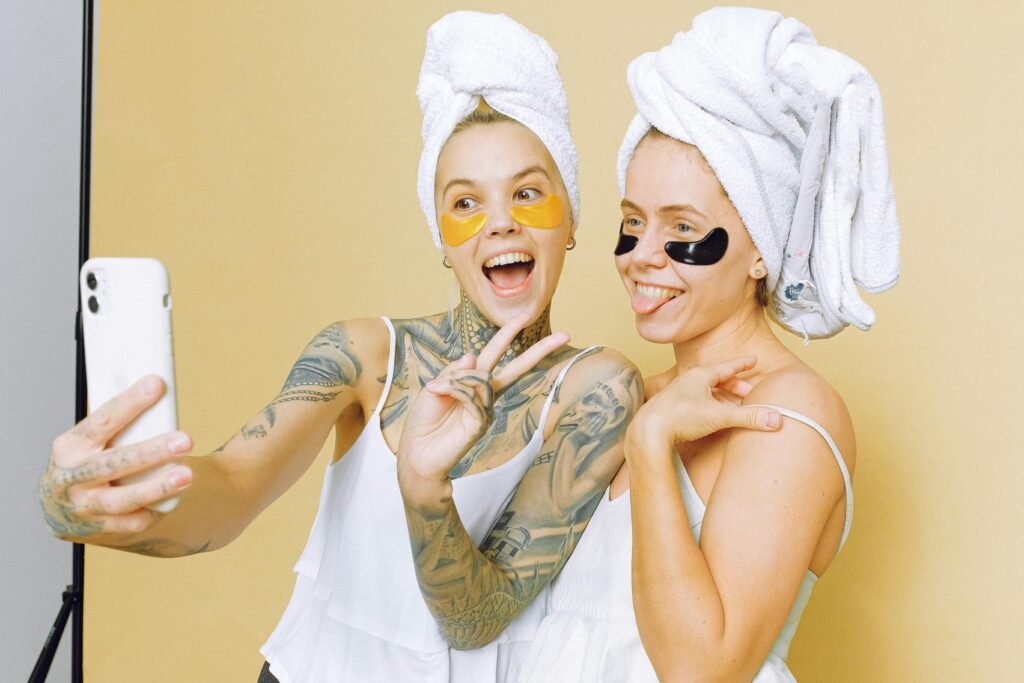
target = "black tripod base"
x: 42, y: 667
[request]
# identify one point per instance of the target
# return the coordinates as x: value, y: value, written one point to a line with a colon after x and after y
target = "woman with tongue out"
x: 471, y: 446
x: 755, y: 183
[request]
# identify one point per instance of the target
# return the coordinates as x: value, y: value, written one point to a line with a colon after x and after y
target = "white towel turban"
x: 471, y: 55
x: 794, y: 132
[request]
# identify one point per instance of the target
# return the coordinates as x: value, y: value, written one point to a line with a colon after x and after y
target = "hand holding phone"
x: 126, y: 318
x: 76, y: 491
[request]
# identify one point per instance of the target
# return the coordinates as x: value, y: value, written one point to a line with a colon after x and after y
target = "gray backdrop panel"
x: 40, y: 99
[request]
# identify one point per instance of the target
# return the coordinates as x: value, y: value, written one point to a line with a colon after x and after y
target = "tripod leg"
x: 42, y: 667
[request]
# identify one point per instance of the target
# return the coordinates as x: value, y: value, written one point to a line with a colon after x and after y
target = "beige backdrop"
x: 266, y: 151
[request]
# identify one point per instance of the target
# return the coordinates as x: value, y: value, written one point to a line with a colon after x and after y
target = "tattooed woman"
x: 472, y: 446
x: 753, y: 152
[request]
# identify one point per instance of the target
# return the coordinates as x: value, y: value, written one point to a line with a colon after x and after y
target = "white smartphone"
x: 126, y: 320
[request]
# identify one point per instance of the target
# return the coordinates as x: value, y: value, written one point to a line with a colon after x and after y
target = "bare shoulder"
x: 602, y: 365
x: 796, y: 387
x: 604, y: 357
x: 368, y: 338
x: 604, y: 379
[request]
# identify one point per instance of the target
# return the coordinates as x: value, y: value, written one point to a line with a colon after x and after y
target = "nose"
x: 649, y: 251
x: 500, y: 223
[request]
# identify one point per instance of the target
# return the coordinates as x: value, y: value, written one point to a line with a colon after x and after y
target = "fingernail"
x: 178, y: 442
x: 151, y: 385
x: 180, y: 478
x: 772, y: 420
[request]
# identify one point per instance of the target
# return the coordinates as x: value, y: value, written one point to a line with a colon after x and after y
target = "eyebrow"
x: 527, y: 171
x: 671, y: 208
x: 453, y: 182
x: 626, y: 204
x: 681, y: 208
x: 516, y: 178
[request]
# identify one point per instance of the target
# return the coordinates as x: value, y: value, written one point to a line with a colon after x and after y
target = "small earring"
x: 444, y: 262
x: 571, y: 245
x: 757, y: 273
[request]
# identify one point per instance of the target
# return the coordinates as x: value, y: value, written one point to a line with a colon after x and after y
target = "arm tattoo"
x: 257, y: 428
x: 328, y: 361
x: 308, y: 395
x: 256, y: 431
x: 478, y: 602
x: 327, y: 366
x: 475, y: 593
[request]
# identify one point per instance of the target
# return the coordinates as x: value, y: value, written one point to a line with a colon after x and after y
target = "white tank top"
x: 590, y: 634
x: 356, y: 613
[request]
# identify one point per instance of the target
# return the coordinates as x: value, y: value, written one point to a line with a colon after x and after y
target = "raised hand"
x: 78, y: 491
x: 455, y: 408
x: 701, y: 401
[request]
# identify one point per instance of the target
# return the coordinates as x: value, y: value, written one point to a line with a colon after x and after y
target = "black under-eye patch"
x: 705, y: 252
x: 626, y: 243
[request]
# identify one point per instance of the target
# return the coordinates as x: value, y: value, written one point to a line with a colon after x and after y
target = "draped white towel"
x: 794, y: 132
x: 470, y: 55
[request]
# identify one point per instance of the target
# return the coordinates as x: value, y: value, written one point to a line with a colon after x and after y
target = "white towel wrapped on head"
x: 794, y: 132
x: 470, y: 55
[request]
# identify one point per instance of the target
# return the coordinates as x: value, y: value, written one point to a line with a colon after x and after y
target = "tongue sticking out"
x: 509, y: 276
x: 645, y: 305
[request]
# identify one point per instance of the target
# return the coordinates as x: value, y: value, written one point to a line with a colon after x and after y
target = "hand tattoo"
x: 59, y: 513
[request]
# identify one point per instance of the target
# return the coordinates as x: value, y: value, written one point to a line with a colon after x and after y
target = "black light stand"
x: 74, y: 594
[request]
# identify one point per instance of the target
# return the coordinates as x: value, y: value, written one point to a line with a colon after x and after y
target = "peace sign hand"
x: 454, y: 411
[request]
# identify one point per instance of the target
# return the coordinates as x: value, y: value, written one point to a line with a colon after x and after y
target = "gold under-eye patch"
x: 455, y: 231
x: 547, y: 214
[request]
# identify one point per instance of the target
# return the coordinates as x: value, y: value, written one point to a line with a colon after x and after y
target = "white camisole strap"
x: 554, y: 387
x: 839, y: 461
x: 391, y: 365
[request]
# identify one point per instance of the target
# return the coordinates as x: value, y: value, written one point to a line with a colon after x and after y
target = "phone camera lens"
x: 90, y: 280
x: 94, y: 305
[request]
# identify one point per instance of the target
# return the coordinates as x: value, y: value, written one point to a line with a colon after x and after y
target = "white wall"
x: 40, y: 86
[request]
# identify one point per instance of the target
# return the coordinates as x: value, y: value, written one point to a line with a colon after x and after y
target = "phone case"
x: 126, y: 319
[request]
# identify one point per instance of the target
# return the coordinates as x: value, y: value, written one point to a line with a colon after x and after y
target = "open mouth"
x: 509, y: 273
x: 649, y: 298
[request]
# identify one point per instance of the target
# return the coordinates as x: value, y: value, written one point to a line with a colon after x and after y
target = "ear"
x: 758, y: 270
